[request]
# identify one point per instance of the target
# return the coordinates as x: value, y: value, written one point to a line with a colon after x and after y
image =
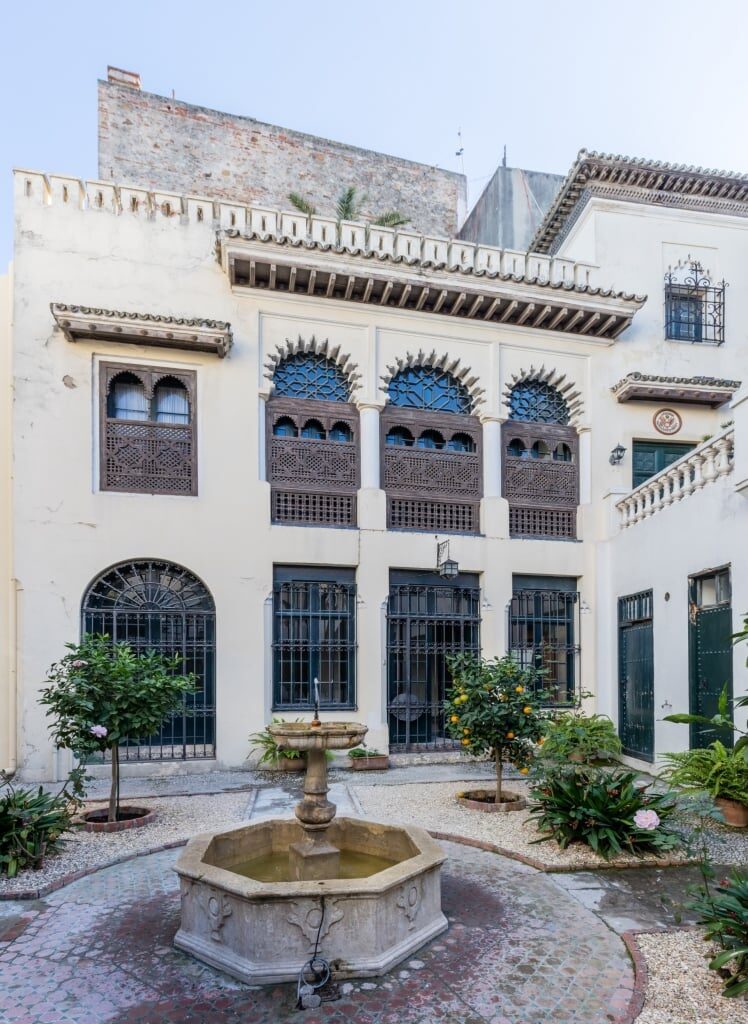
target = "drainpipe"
x: 15, y: 587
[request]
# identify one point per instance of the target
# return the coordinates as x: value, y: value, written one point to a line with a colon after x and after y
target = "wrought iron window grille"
x: 543, y: 627
x: 425, y: 624
x: 160, y: 606
x: 310, y: 376
x: 314, y: 635
x: 429, y: 388
x: 536, y: 401
x: 694, y: 307
x: 143, y: 447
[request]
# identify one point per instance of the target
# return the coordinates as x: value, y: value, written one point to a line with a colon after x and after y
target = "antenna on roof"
x: 503, y: 159
x: 460, y: 150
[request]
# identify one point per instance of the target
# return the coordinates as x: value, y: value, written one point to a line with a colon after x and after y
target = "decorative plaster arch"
x: 554, y: 379
x: 444, y: 363
x: 306, y: 346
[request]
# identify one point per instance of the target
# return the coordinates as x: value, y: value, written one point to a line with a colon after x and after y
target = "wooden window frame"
x: 150, y: 377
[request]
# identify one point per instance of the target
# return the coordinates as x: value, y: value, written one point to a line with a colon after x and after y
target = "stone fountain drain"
x: 258, y: 901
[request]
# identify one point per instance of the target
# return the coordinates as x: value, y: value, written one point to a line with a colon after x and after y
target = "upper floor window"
x: 312, y: 443
x: 308, y: 375
x: 535, y: 401
x: 694, y: 307
x: 147, y: 432
x: 425, y: 387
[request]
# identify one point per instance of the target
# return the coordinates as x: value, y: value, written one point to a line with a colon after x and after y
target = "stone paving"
x: 519, y: 950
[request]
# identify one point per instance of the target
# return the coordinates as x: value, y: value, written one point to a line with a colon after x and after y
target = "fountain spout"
x: 315, y: 721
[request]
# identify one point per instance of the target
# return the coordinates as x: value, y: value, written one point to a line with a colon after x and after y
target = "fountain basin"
x: 262, y: 932
x: 325, y: 736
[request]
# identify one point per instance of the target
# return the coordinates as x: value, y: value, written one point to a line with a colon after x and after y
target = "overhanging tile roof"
x: 638, y: 180
x: 648, y: 387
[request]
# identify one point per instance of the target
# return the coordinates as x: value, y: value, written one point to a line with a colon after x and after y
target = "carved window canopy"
x: 541, y: 479
x: 432, y: 470
x: 313, y: 461
x: 83, y: 323
x: 645, y: 387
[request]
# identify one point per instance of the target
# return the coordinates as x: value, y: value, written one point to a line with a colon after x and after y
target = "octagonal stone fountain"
x: 260, y: 900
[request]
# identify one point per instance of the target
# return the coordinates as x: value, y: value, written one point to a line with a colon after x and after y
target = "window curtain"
x: 171, y: 404
x: 129, y: 401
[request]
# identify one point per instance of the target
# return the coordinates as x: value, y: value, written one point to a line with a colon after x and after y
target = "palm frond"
x: 301, y: 204
x: 348, y: 206
x: 391, y: 219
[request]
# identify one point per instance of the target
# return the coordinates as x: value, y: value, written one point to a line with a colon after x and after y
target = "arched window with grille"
x: 431, y: 457
x: 312, y: 442
x: 157, y: 605
x: 148, y: 441
x: 540, y: 472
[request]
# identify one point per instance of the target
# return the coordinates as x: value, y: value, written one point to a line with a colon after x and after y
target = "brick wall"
x: 162, y: 143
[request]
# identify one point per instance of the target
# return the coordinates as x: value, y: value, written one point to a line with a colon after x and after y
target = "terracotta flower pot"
x: 374, y: 763
x: 485, y: 800
x: 734, y: 812
x: 288, y: 764
x: 129, y: 817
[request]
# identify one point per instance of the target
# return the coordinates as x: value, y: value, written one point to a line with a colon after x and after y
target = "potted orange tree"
x: 495, y: 707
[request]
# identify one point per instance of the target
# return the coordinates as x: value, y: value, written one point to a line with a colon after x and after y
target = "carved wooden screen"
x: 432, y: 470
x: 541, y: 479
x: 150, y: 448
x: 313, y: 461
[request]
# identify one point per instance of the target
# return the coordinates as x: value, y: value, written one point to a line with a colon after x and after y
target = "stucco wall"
x: 7, y: 590
x: 163, y: 143
x: 511, y: 207
x: 67, y: 531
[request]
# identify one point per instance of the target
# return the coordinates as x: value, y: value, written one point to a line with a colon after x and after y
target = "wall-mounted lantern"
x: 616, y: 456
x: 446, y: 566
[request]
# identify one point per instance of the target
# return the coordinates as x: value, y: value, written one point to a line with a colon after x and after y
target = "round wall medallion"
x: 667, y: 421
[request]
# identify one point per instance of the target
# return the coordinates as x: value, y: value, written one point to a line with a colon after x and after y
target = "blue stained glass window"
x: 534, y: 401
x: 425, y: 387
x: 307, y: 375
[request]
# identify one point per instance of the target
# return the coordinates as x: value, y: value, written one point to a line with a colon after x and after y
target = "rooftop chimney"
x: 120, y: 77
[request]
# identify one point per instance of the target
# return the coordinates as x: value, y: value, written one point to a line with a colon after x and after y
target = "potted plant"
x: 494, y: 708
x: 366, y: 759
x: 101, y: 693
x: 273, y: 758
x: 720, y: 771
x: 573, y: 736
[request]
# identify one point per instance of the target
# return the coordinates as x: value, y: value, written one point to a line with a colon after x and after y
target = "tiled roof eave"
x: 643, y: 387
x: 339, y: 272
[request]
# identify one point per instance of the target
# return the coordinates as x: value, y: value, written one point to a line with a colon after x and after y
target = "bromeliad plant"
x: 32, y: 822
x: 724, y: 914
x: 495, y: 708
x: 603, y: 808
x: 101, y: 693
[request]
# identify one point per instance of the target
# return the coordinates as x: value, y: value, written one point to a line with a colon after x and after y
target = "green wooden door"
x: 636, y: 675
x: 650, y: 457
x: 710, y: 652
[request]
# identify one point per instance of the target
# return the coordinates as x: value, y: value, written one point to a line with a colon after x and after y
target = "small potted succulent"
x: 367, y: 759
x: 495, y: 708
x: 274, y: 759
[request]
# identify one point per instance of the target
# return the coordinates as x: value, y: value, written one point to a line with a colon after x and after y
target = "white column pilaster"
x: 494, y: 508
x: 372, y: 504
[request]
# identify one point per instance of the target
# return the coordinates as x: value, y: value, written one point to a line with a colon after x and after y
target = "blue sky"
x: 663, y: 78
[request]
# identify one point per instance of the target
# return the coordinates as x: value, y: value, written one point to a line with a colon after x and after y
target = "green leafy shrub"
x: 33, y: 822
x: 724, y: 914
x: 716, y: 769
x: 357, y: 752
x: 604, y: 809
x: 101, y: 693
x: 494, y: 707
x: 266, y: 743
x: 583, y: 738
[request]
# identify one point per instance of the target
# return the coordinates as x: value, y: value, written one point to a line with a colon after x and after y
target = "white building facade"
x: 246, y: 434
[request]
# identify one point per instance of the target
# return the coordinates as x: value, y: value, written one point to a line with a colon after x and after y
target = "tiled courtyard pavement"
x: 519, y: 950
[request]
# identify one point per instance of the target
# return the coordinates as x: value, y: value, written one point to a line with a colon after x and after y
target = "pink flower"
x: 647, y: 820
x: 99, y: 731
x: 79, y: 663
